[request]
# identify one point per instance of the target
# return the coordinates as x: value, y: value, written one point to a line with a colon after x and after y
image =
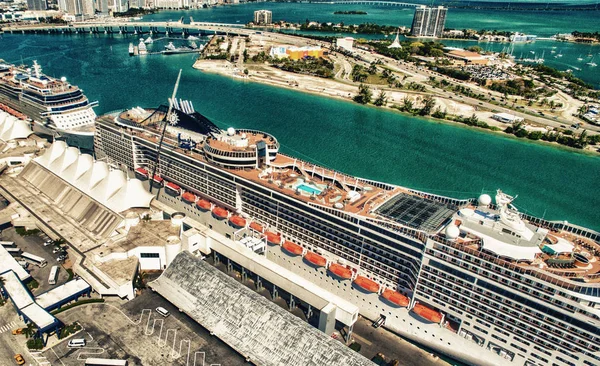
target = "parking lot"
x: 136, y: 332
x: 34, y: 244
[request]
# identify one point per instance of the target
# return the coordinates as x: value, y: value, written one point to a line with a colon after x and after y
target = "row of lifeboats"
x: 340, y: 271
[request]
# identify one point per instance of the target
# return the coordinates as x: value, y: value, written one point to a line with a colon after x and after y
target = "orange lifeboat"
x: 256, y: 226
x: 188, y: 197
x: 427, y: 313
x: 203, y: 204
x: 157, y: 181
x: 173, y: 189
x: 315, y: 259
x: 292, y: 248
x: 340, y: 271
x: 237, y: 221
x: 220, y: 212
x: 366, y: 284
x: 395, y: 297
x: 273, y: 238
x: 141, y: 173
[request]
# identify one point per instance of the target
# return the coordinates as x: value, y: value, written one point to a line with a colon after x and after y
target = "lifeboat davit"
x: 141, y: 173
x: 220, y: 212
x: 188, y: 197
x: 315, y: 259
x: 395, y: 297
x: 427, y: 313
x: 340, y: 271
x: 173, y: 189
x: 256, y: 226
x: 292, y: 248
x: 273, y: 238
x: 203, y: 204
x: 237, y: 221
x: 366, y: 284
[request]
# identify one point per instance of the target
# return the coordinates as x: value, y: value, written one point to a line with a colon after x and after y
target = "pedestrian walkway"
x: 7, y: 327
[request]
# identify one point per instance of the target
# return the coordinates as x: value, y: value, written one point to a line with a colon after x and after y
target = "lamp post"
x: 170, y: 119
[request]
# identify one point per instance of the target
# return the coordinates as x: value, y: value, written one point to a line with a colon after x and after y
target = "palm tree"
x: 582, y: 110
x: 407, y: 104
x: 29, y: 331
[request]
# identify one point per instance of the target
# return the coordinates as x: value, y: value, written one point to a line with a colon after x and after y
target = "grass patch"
x: 36, y: 343
x: 80, y: 302
x: 33, y: 284
x: 71, y: 274
x: 68, y: 330
x: 376, y: 80
x: 24, y: 232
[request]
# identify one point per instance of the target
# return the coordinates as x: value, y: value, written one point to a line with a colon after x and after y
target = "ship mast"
x: 170, y: 118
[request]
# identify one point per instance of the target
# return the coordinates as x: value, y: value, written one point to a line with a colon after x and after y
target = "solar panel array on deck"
x: 416, y: 212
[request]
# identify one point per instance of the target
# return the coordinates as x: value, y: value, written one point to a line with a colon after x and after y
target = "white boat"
x: 170, y: 47
x: 149, y: 40
x: 130, y: 49
x: 592, y: 63
x: 193, y: 38
x: 142, y: 47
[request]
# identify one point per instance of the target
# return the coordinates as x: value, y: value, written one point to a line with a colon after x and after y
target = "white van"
x: 76, y: 342
x: 162, y: 311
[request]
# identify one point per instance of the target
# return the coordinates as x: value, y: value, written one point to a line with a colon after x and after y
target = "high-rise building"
x: 37, y: 5
x: 263, y: 17
x: 429, y: 22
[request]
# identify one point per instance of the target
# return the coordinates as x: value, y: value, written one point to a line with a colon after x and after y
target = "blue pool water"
x: 308, y: 189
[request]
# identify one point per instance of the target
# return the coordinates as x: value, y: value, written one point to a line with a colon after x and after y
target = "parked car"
x: 48, y: 242
x: 17, y: 331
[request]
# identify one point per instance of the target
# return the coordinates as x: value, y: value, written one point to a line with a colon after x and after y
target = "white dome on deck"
x: 452, y: 231
x: 484, y: 200
x: 231, y: 131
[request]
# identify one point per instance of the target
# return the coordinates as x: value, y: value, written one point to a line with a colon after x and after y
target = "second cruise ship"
x: 473, y: 279
x: 55, y: 107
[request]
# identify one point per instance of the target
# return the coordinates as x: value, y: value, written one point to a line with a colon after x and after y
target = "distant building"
x: 429, y: 22
x: 468, y: 57
x: 296, y: 53
x: 346, y: 43
x: 519, y: 37
x: 507, y: 118
x: 77, y: 8
x: 37, y: 5
x: 263, y: 17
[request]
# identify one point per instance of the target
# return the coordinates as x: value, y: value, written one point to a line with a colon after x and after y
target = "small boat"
x: 237, y: 221
x: 560, y: 54
x: 366, y: 284
x: 149, y: 40
x: 220, y: 213
x: 315, y: 259
x: 592, y: 63
x: 340, y: 271
x: 173, y: 189
x: 273, y: 239
x: 131, y: 49
x: 580, y: 58
x: 427, y: 313
x: 193, y: 38
x: 203, y: 205
x: 188, y: 197
x: 292, y: 248
x: 395, y: 297
x: 170, y: 47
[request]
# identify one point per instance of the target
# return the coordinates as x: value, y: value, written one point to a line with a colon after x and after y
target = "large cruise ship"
x: 56, y: 108
x: 473, y: 279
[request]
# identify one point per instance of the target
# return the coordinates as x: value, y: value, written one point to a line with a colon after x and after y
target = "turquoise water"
x: 308, y: 189
x: 542, y: 23
x: 363, y: 141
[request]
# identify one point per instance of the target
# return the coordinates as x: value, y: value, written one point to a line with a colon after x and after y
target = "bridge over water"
x: 125, y: 27
x: 375, y: 2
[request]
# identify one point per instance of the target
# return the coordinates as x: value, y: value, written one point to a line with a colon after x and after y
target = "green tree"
x: 407, y: 104
x: 381, y: 99
x: 364, y: 94
x: 428, y: 105
x: 372, y: 68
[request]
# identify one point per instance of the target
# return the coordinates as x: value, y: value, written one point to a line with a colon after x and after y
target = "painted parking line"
x: 85, y: 351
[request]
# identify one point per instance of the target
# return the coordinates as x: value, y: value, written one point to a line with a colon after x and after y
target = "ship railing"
x: 338, y: 174
x: 543, y: 274
x: 443, y: 199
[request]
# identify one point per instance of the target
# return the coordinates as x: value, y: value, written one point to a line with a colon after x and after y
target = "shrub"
x: 80, y: 302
